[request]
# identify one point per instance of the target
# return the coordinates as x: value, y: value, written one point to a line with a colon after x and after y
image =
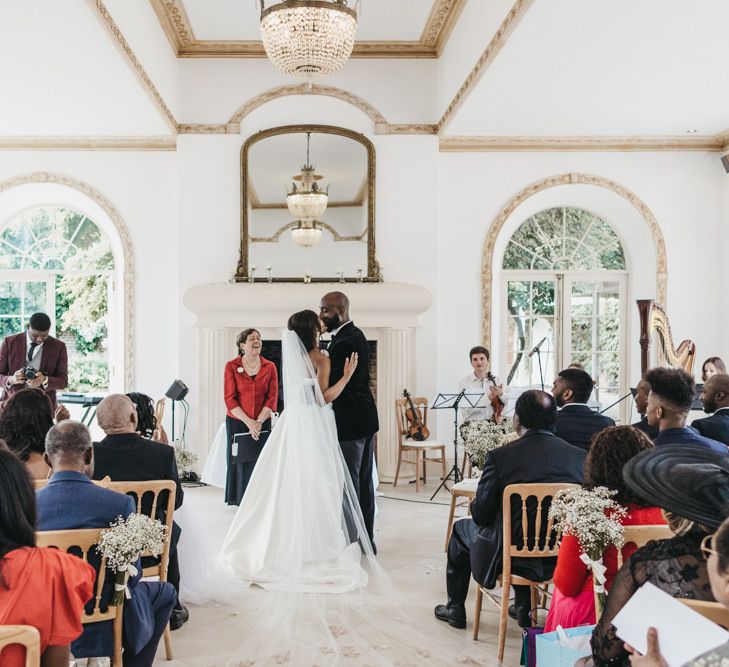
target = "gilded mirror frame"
x: 242, y: 269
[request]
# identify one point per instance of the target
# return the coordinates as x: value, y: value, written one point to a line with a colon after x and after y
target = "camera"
x: 30, y: 372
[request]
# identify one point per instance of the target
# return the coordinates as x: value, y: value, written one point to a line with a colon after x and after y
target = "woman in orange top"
x: 45, y: 588
x: 573, y: 602
x: 251, y: 395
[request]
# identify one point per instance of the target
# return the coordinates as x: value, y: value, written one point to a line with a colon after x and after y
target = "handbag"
x: 563, y: 648
x: 528, y: 641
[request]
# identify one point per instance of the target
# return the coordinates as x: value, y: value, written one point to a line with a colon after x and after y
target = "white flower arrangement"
x: 481, y: 436
x: 186, y: 460
x: 594, y: 519
x: 123, y: 542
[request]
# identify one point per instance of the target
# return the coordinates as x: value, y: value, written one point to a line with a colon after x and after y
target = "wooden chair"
x: 713, y: 611
x: 25, y: 635
x: 149, y: 492
x: 541, y: 548
x: 641, y: 535
x: 103, y: 483
x: 86, y: 541
x: 465, y: 489
x: 421, y: 448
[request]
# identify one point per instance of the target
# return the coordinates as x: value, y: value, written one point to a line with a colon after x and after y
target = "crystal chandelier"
x: 306, y: 234
x: 308, y: 38
x: 306, y: 202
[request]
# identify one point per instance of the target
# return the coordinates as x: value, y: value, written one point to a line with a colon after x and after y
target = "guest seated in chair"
x: 147, y: 425
x: 669, y: 402
x: 44, y: 588
x: 691, y: 485
x: 72, y: 501
x: 475, y: 547
x: 24, y: 422
x: 641, y: 405
x: 715, y: 398
x: 712, y: 366
x: 573, y: 602
x: 125, y: 456
x: 576, y: 423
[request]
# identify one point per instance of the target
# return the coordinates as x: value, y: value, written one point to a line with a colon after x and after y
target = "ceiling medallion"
x: 308, y: 38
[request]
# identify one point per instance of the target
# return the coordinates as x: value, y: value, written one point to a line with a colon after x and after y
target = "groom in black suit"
x: 355, y: 410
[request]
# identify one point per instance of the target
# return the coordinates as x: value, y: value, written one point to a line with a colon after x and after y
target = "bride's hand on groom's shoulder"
x: 350, y: 365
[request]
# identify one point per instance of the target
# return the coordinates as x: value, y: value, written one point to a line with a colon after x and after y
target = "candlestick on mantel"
x: 252, y: 271
x: 268, y: 269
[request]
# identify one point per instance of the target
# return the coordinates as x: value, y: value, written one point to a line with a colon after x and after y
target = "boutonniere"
x: 240, y: 369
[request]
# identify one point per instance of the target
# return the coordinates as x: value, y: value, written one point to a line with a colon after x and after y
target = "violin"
x: 496, y: 403
x: 416, y: 429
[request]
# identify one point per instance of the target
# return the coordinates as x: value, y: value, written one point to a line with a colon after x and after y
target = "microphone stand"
x: 612, y: 405
x: 541, y: 372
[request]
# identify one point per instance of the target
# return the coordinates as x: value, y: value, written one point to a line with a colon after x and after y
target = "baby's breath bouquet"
x: 185, y: 459
x: 122, y: 543
x: 593, y: 518
x: 480, y: 436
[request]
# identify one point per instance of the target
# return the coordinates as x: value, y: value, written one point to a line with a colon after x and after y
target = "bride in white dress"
x: 299, y: 527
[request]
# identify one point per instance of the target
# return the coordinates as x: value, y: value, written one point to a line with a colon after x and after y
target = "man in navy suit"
x: 715, y: 398
x: 576, y: 423
x: 72, y: 501
x: 672, y: 395
x: 641, y: 405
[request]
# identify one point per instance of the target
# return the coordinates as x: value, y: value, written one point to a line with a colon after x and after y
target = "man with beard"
x: 641, y: 405
x: 354, y: 410
x: 576, y: 422
x: 715, y: 398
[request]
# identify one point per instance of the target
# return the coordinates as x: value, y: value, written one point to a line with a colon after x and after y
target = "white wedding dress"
x: 299, y: 526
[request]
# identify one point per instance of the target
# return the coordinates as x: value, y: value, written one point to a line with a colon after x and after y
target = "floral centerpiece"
x: 186, y: 460
x: 481, y: 436
x: 122, y: 543
x: 594, y: 519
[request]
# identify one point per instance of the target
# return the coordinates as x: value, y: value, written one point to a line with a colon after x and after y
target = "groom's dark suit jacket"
x: 354, y: 409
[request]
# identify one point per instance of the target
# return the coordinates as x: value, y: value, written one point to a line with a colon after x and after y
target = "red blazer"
x: 54, y: 364
x: 250, y: 394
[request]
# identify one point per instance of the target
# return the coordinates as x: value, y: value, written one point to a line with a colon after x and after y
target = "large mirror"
x: 307, y: 205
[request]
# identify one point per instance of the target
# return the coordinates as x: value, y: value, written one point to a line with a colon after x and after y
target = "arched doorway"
x: 564, y: 276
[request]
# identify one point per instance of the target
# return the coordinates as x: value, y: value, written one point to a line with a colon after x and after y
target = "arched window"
x: 56, y: 260
x: 566, y: 276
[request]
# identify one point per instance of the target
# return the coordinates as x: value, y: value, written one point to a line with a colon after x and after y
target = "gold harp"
x: 653, y: 319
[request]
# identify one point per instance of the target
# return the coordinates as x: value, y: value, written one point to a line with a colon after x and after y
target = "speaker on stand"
x: 177, y: 392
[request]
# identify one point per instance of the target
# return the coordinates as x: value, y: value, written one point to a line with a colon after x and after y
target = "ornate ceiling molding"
x: 178, y: 29
x: 132, y: 60
x: 460, y: 144
x: 497, y: 224
x: 60, y: 143
x: 516, y: 13
x: 127, y: 250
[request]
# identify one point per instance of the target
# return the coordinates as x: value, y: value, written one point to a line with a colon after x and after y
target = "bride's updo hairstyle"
x: 305, y: 324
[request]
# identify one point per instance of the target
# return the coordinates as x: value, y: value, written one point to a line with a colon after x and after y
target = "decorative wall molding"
x: 456, y: 144
x: 178, y: 29
x: 121, y: 42
x: 208, y: 128
x: 127, y: 250
x: 404, y: 128
x: 335, y: 235
x: 59, y: 143
x: 487, y: 276
x: 516, y: 13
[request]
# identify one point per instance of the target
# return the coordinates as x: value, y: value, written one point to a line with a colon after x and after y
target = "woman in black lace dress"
x: 691, y: 484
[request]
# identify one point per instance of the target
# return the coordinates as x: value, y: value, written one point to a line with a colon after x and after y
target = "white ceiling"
x: 238, y: 19
x: 60, y: 74
x: 274, y: 161
x: 606, y: 67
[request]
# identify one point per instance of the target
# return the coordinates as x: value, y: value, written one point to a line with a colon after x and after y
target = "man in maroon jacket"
x: 34, y: 349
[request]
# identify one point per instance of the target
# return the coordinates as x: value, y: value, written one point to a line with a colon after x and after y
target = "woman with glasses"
x: 691, y: 485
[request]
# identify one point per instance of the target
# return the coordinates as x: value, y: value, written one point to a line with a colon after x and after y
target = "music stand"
x: 446, y: 402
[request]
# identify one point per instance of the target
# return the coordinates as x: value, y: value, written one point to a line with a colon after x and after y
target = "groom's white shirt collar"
x: 340, y: 327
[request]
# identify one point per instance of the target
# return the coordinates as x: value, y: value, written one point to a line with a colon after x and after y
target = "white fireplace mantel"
x: 387, y: 312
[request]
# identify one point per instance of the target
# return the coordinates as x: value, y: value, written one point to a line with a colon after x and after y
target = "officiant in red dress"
x: 251, y: 395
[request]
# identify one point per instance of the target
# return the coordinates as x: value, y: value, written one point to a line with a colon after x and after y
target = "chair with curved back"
x: 539, y: 540
x: 149, y: 499
x: 420, y: 448
x: 641, y: 535
x: 85, y: 541
x: 24, y: 635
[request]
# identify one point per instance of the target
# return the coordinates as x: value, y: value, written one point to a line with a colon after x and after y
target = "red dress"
x: 53, y: 592
x: 573, y: 601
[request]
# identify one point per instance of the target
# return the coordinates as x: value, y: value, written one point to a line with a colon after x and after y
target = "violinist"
x: 491, y: 404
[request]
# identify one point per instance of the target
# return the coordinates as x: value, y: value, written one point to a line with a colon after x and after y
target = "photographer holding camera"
x: 34, y: 359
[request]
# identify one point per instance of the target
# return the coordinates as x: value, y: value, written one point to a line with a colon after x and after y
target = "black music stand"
x: 446, y: 402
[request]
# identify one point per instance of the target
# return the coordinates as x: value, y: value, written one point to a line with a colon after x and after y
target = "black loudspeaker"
x: 177, y: 391
x: 725, y: 162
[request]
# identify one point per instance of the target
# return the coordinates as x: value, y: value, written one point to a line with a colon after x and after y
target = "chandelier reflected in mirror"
x: 308, y: 38
x: 307, y: 202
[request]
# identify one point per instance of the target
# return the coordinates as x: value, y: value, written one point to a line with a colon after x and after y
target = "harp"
x: 654, y: 324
